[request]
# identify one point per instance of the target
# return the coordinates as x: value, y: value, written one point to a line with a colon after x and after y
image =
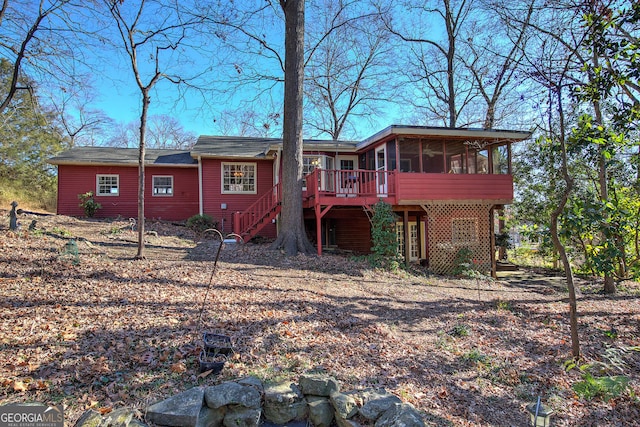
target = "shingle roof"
x: 123, y: 156
x: 233, y: 146
x: 249, y: 147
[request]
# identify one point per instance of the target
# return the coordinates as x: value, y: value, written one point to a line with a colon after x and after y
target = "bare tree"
x: 82, y: 124
x: 436, y: 72
x: 292, y: 237
x: 248, y: 122
x: 150, y: 33
x: 166, y: 131
x: 493, y: 56
x: 347, y: 69
x: 34, y: 38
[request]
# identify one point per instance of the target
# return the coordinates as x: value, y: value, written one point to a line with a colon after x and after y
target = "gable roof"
x: 258, y: 148
x: 123, y: 157
x: 234, y: 146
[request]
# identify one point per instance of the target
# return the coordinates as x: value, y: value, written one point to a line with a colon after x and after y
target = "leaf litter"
x: 110, y: 331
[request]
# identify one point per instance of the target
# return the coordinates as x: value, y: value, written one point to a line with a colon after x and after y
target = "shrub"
x: 606, y: 387
x: 463, y: 264
x: 200, y: 223
x: 383, y: 235
x: 88, y: 204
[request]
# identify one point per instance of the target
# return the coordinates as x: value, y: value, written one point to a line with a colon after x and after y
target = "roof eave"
x: 114, y: 164
x: 511, y: 135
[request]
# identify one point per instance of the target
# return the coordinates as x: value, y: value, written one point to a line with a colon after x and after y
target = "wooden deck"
x: 366, y: 187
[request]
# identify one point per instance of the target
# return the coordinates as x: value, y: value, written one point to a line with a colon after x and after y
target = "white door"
x: 347, y: 176
x: 381, y: 170
x: 413, y: 239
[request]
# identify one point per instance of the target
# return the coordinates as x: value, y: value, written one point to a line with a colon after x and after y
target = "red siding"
x: 184, y: 202
x: 446, y: 186
x: 74, y: 180
x: 354, y: 233
x: 213, y: 197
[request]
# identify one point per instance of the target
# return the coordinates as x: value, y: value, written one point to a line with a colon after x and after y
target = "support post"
x: 492, y: 236
x: 407, y: 236
x: 318, y: 228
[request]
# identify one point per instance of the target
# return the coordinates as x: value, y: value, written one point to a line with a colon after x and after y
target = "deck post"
x: 407, y: 237
x: 419, y: 237
x: 492, y: 244
x: 318, y: 228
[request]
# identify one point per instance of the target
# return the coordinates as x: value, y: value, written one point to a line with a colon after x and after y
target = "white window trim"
x: 255, y: 178
x: 153, y: 185
x: 98, y: 193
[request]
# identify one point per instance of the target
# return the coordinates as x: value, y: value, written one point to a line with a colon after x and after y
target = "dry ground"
x: 103, y: 330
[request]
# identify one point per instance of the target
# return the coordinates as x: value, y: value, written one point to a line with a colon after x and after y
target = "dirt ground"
x: 88, y: 326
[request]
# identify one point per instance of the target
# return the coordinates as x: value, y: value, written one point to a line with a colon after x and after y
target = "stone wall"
x: 249, y: 403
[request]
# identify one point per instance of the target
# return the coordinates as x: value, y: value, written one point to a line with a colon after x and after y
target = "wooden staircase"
x: 262, y: 212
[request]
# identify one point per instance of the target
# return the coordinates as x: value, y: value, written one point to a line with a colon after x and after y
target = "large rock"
x: 318, y: 385
x: 120, y: 417
x: 377, y: 402
x: 343, y: 422
x: 232, y: 393
x: 253, y: 382
x: 210, y: 417
x: 242, y: 417
x: 284, y: 402
x: 90, y: 418
x: 181, y: 410
x: 320, y: 411
x: 344, y: 404
x: 400, y: 415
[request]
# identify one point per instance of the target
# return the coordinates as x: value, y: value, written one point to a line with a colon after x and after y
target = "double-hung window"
x: 163, y: 185
x: 239, y: 178
x: 107, y: 185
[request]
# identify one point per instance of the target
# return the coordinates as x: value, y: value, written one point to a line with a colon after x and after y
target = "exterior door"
x: 381, y: 170
x: 347, y: 176
x: 413, y: 239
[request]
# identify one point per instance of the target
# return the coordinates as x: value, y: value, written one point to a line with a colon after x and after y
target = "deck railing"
x: 246, y: 220
x: 411, y: 187
x: 350, y: 183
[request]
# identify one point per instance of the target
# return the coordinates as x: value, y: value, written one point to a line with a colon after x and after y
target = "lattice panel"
x: 456, y: 226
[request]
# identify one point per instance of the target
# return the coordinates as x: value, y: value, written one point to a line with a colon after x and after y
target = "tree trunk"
x: 557, y: 244
x: 451, y: 53
x: 292, y: 237
x: 143, y: 127
x: 609, y: 283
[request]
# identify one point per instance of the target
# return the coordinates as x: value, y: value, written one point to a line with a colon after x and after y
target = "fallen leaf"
x: 178, y: 367
x: 105, y: 410
x: 19, y: 386
x: 205, y: 373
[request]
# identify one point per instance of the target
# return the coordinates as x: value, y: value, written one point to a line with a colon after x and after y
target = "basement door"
x: 413, y: 239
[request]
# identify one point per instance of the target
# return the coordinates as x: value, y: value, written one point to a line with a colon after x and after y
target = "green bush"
x: 606, y: 387
x: 383, y: 235
x: 88, y: 204
x: 464, y: 265
x: 200, y: 223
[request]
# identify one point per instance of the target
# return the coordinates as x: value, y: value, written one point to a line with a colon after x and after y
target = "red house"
x: 443, y: 183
